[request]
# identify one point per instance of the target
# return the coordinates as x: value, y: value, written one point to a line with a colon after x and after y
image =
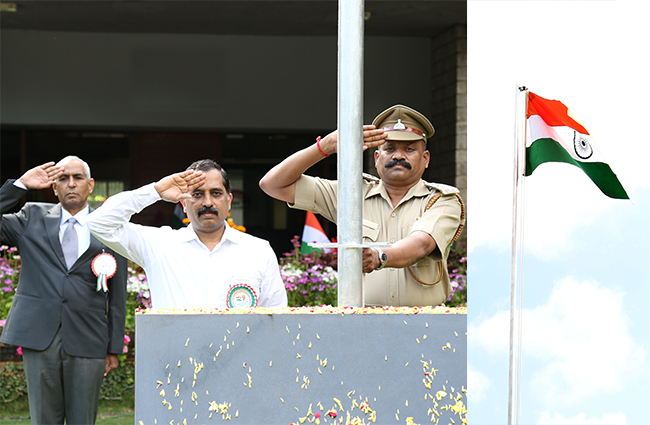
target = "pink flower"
x: 127, y: 339
x: 2, y: 323
x: 19, y: 350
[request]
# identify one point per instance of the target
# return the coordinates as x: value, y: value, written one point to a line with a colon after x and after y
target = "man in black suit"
x: 69, y: 323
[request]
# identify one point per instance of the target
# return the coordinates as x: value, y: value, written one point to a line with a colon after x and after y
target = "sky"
x: 586, y: 279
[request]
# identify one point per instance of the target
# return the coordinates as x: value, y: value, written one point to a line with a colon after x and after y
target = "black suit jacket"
x: 49, y: 295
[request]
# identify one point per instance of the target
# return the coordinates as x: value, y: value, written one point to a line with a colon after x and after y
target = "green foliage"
x: 13, y: 385
x: 118, y: 382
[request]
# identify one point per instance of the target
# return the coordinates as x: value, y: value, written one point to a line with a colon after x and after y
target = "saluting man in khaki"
x: 419, y: 219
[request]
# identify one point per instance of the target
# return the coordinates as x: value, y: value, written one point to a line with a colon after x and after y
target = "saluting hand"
x: 178, y: 186
x: 41, y: 177
x: 371, y: 137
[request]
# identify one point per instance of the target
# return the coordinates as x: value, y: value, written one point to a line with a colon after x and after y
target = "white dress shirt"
x: 182, y: 272
x: 83, y: 234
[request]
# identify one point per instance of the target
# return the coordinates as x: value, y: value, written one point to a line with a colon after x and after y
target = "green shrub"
x: 12, y: 382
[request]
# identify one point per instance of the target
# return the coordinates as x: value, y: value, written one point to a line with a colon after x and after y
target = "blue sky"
x: 586, y: 318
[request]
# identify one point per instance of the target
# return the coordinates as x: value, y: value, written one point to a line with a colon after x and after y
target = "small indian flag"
x: 313, y: 232
x: 179, y: 219
x: 556, y: 136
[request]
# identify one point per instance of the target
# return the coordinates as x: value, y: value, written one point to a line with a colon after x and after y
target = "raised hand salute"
x: 41, y: 177
x: 178, y: 186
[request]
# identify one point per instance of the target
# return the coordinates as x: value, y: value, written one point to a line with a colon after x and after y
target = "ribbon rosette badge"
x: 241, y: 295
x: 104, y: 266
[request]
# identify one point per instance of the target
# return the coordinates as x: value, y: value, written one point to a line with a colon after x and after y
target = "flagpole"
x: 350, y: 153
x: 514, y: 361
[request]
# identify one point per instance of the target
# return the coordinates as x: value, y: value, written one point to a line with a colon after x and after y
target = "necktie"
x: 70, y: 243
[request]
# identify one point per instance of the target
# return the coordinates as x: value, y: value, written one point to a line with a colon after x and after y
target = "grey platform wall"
x: 284, y: 368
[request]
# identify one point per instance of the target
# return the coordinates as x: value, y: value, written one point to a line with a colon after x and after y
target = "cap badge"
x: 401, y: 127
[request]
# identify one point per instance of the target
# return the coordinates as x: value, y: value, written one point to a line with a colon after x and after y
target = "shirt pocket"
x: 243, y: 290
x: 370, y: 231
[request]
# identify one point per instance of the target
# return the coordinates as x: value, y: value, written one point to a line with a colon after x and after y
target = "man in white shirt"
x: 205, y: 265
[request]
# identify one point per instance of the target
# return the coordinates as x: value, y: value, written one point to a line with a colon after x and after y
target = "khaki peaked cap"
x: 402, y: 123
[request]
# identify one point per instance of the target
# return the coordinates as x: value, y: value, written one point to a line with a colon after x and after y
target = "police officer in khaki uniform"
x: 420, y: 220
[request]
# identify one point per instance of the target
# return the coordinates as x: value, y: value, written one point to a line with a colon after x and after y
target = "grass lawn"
x: 111, y: 412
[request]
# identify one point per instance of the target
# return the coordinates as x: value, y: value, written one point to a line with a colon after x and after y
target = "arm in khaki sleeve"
x: 280, y: 181
x: 402, y: 253
x: 430, y: 235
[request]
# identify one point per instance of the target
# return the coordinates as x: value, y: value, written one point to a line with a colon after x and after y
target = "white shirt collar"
x: 188, y: 234
x: 81, y: 216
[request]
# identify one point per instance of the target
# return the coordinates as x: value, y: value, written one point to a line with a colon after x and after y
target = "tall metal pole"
x: 516, y: 304
x: 350, y: 152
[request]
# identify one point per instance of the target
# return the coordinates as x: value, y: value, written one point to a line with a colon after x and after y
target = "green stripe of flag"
x: 548, y: 150
x: 305, y: 249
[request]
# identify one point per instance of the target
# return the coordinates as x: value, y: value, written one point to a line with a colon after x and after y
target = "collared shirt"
x: 182, y: 272
x: 83, y: 234
x: 383, y: 223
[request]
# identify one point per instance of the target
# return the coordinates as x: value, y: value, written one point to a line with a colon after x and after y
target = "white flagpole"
x: 516, y: 285
x: 350, y: 154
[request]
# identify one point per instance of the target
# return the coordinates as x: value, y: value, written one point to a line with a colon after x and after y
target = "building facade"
x: 142, y: 89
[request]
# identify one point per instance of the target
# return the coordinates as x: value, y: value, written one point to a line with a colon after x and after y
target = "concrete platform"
x: 288, y: 368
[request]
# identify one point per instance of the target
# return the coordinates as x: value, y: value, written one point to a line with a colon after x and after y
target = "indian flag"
x: 556, y: 136
x: 179, y: 219
x: 313, y: 232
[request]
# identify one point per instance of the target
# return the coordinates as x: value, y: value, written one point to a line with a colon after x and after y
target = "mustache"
x: 402, y: 162
x: 210, y: 210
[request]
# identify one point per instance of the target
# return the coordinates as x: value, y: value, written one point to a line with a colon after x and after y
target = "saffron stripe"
x: 553, y: 112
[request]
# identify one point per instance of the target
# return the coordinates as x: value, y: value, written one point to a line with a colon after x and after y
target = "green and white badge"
x: 241, y: 295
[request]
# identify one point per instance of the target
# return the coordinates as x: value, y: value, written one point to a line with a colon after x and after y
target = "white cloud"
x: 492, y: 334
x: 581, y: 337
x: 576, y: 345
x: 582, y: 419
x: 478, y: 384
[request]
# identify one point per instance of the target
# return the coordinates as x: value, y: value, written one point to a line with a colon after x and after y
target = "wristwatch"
x: 383, y: 259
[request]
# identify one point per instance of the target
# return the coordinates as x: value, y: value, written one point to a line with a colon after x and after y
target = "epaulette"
x: 445, y: 189
x: 371, y: 178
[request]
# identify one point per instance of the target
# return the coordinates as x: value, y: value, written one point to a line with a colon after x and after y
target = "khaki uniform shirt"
x: 383, y: 223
